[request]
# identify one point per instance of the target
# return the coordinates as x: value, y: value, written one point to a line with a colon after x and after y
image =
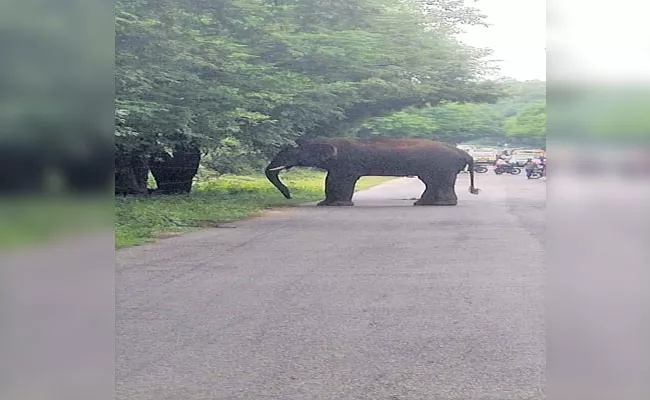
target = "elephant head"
x: 306, y: 154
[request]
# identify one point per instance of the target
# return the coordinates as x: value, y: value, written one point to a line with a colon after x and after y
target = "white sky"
x: 517, y: 36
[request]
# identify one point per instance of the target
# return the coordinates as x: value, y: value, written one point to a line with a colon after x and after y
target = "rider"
x: 529, y: 167
x: 501, y: 162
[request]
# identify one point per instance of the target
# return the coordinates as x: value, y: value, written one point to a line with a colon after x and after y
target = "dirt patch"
x: 276, y: 211
x: 167, y: 235
x: 212, y: 224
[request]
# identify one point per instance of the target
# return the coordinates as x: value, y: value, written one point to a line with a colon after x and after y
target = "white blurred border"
x: 598, y: 42
x: 598, y: 209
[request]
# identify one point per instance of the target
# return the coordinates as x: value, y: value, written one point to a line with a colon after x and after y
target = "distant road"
x: 383, y: 300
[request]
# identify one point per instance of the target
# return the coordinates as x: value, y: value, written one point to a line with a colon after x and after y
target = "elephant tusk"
x: 277, y: 168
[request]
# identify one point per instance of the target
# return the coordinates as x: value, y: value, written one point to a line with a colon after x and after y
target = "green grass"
x: 227, y: 199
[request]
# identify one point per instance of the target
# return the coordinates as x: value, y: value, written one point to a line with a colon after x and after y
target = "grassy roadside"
x: 229, y: 198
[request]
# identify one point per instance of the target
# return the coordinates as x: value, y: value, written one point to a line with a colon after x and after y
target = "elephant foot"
x: 446, y: 203
x: 422, y: 202
x: 435, y: 203
x: 335, y: 203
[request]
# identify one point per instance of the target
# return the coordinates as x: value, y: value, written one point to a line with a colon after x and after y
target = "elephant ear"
x: 319, y: 151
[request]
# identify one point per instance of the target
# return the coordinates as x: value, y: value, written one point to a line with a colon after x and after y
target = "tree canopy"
x: 450, y: 122
x: 519, y: 117
x: 529, y: 122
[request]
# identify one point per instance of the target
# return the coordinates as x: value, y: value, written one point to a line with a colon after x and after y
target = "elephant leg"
x: 440, y: 190
x: 330, y: 196
x: 339, y: 189
x: 446, y: 190
x: 347, y: 188
x: 428, y: 197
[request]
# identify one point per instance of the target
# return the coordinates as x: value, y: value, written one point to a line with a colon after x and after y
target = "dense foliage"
x: 230, y: 81
x: 529, y: 122
x: 519, y: 118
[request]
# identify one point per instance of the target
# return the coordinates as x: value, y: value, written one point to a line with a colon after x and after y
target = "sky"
x: 517, y: 36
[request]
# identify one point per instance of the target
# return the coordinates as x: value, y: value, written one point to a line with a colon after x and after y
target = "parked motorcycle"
x: 510, y: 169
x: 480, y: 169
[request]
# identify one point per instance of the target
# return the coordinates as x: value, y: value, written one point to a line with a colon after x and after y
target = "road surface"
x: 383, y: 300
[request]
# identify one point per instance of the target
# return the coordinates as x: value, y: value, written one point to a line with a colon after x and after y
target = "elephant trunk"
x: 272, y: 174
x: 472, y: 188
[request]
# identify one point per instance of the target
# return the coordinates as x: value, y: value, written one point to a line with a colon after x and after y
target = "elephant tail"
x: 470, y: 164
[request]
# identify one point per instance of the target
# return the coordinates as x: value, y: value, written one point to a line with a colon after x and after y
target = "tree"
x: 461, y: 122
x: 454, y: 122
x: 529, y: 123
x: 450, y: 122
x: 400, y: 124
x: 518, y: 94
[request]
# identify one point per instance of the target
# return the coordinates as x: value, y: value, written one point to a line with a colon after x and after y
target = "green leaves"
x: 262, y: 73
x: 529, y: 122
x: 450, y: 122
x: 521, y: 115
x: 402, y: 124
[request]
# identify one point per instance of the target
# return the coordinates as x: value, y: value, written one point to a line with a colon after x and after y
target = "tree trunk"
x: 22, y: 170
x: 174, y: 173
x: 131, y: 170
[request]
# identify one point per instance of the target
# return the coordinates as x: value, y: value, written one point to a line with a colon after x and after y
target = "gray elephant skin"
x: 437, y: 164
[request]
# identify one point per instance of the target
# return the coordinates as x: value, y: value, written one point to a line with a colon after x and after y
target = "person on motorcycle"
x: 543, y: 165
x: 501, y: 162
x: 529, y: 167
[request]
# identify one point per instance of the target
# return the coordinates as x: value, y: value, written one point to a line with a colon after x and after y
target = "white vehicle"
x: 532, y: 153
x: 484, y: 157
x: 465, y: 147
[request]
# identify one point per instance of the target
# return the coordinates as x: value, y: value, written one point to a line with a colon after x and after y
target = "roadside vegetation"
x: 213, y: 202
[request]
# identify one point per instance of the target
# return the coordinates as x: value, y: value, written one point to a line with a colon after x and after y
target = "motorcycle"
x: 509, y: 168
x: 537, y: 173
x: 481, y: 169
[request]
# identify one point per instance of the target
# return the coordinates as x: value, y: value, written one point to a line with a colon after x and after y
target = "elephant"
x: 436, y: 164
x: 346, y: 160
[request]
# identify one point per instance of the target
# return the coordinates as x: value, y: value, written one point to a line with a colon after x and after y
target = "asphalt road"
x: 381, y: 301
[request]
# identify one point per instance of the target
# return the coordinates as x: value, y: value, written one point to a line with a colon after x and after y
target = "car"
x: 465, y: 147
x: 533, y: 153
x: 483, y: 157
